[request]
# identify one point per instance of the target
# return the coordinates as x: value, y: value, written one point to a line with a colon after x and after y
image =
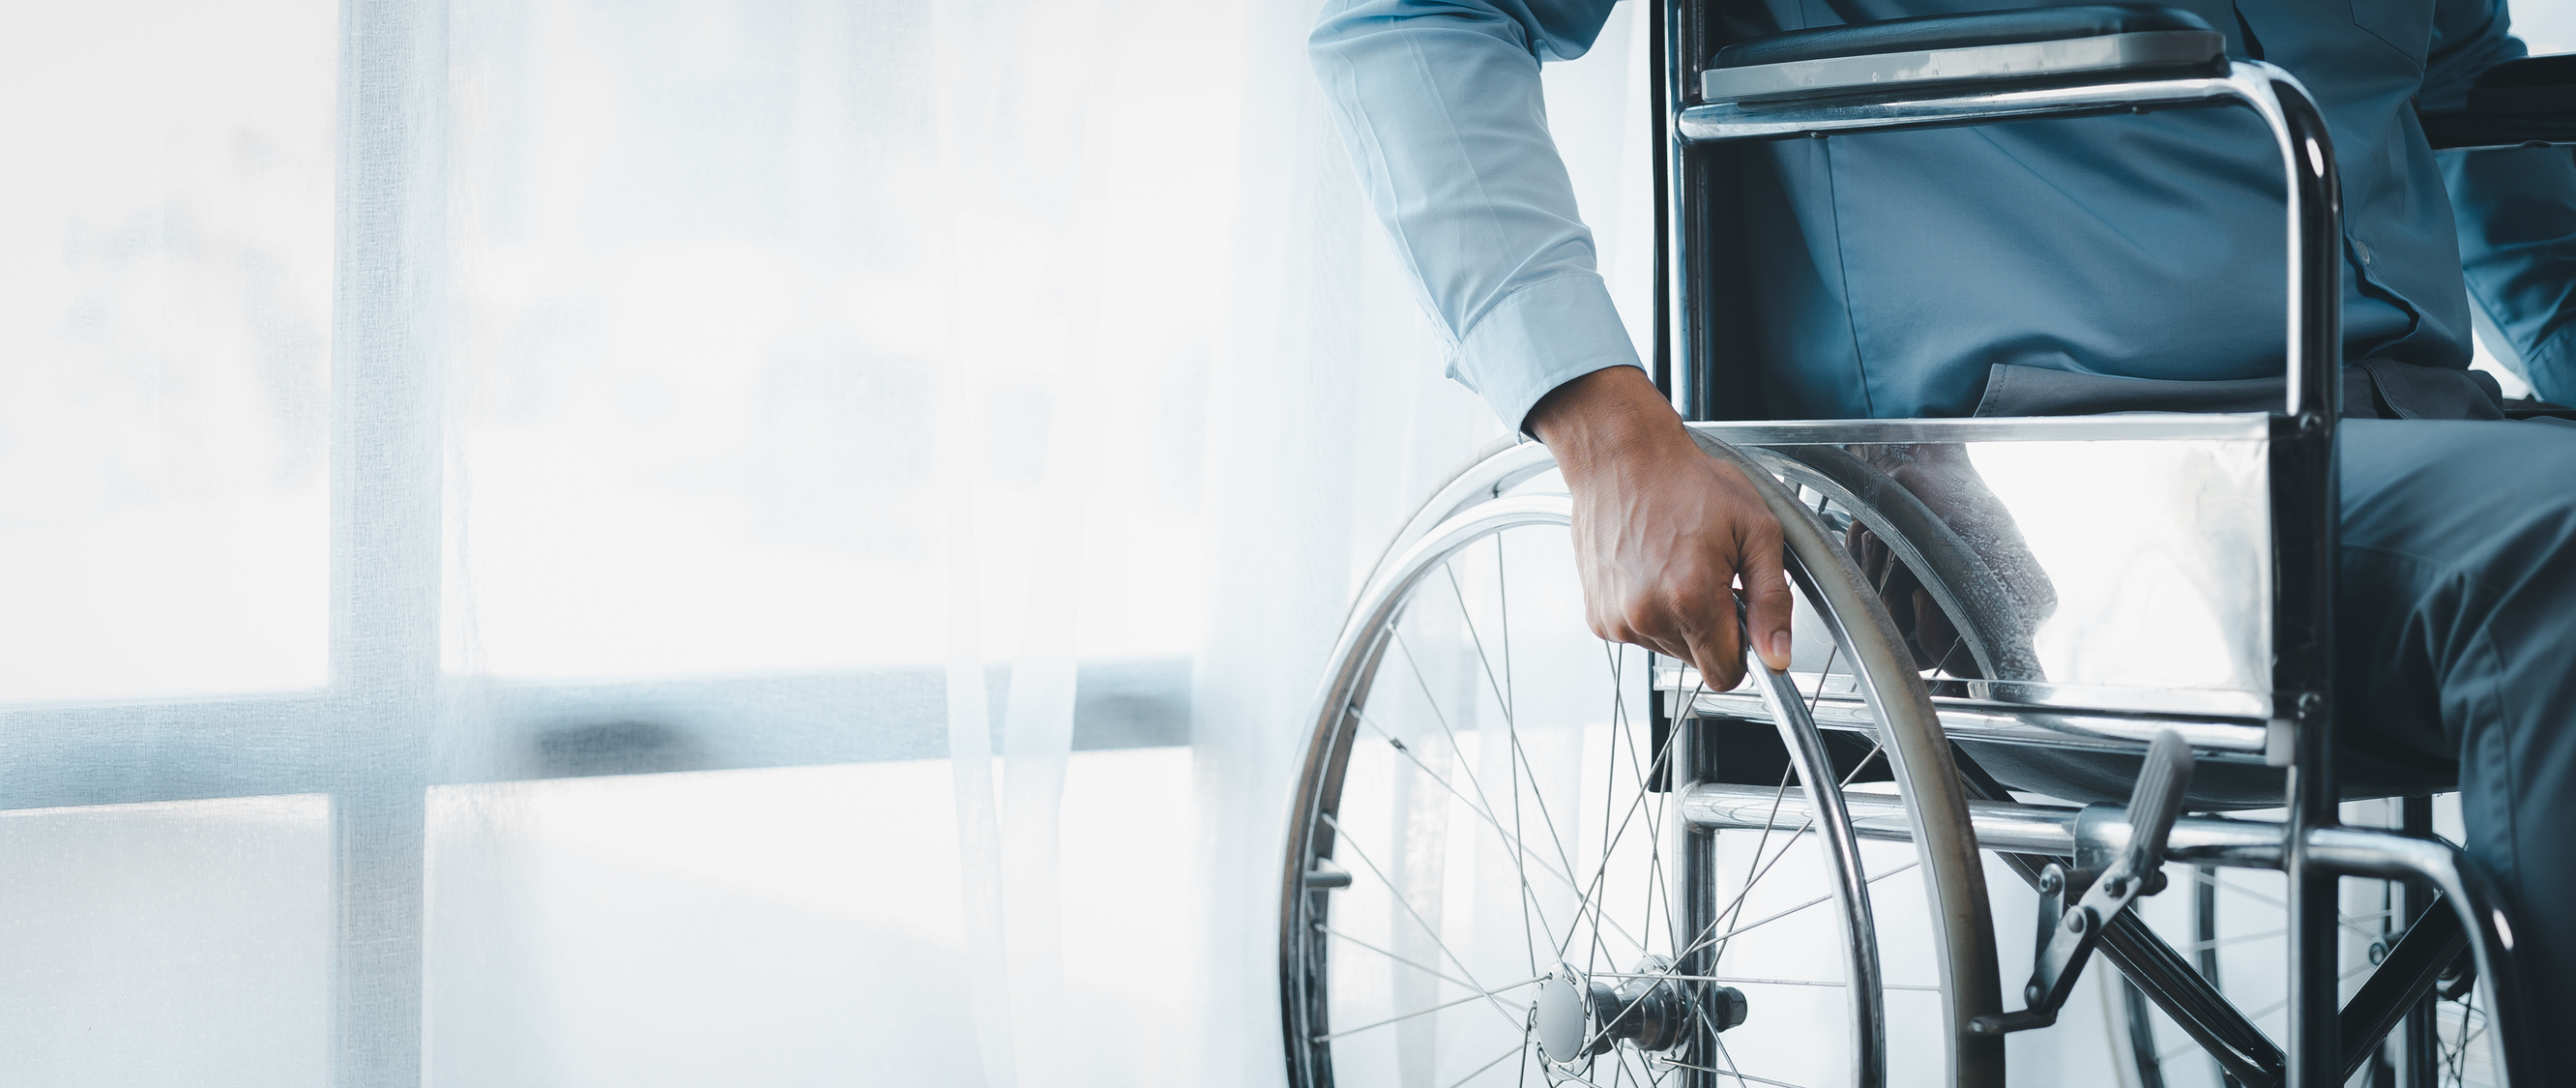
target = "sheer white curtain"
x: 1328, y: 423
x: 559, y: 542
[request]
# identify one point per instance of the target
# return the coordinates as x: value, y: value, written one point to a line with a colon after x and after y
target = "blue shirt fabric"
x: 1895, y: 269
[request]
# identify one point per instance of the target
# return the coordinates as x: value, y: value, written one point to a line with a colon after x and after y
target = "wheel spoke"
x: 1521, y: 850
x: 1731, y: 1070
x: 2283, y: 1003
x: 1520, y: 766
x: 1610, y: 792
x: 1521, y: 756
x: 1778, y: 794
x: 1846, y: 782
x: 1508, y: 838
x: 1563, y: 1077
x: 1503, y: 604
x: 1474, y: 638
x: 1753, y: 877
x: 1655, y: 884
x: 2347, y: 921
x: 1428, y: 929
x: 1505, y: 696
x: 1600, y: 874
x: 1957, y: 642
x: 1484, y: 994
x: 1659, y: 882
x: 2222, y: 942
x: 2459, y: 1056
x: 1737, y: 904
x: 1750, y: 926
x: 1756, y: 981
x: 1331, y: 932
x: 1674, y: 1063
x: 1523, y: 1048
x: 1466, y: 767
x: 1817, y: 699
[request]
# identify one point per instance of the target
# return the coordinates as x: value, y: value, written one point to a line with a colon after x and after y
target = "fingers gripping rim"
x: 1919, y: 753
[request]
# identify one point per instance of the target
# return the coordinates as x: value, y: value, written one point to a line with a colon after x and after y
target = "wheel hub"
x: 1577, y: 1016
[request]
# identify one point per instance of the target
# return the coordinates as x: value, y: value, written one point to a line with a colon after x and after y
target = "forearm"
x: 1441, y: 107
x: 2516, y: 209
x: 2517, y: 218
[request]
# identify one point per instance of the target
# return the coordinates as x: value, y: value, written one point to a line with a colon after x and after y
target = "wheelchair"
x: 1615, y: 875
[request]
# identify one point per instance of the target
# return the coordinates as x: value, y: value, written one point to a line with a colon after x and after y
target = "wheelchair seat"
x: 1924, y: 32
x: 2086, y: 42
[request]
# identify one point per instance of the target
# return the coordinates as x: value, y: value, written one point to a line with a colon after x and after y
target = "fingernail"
x: 1780, y: 648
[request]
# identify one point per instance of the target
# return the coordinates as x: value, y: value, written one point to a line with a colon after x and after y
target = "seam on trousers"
x: 2483, y: 644
x: 1842, y: 271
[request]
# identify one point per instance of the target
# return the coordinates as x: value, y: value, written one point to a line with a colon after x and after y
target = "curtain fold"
x: 895, y: 471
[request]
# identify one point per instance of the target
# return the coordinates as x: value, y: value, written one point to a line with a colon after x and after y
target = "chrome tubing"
x: 2306, y: 503
x: 2363, y: 852
x: 2313, y: 211
x: 2000, y: 825
x: 1806, y: 748
x: 1506, y: 469
x: 1691, y: 902
x: 2005, y: 723
x: 2202, y: 840
x: 1670, y: 37
x: 1378, y: 603
x: 2307, y: 512
x: 1514, y: 465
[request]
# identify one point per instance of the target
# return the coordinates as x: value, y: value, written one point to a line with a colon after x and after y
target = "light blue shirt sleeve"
x: 2516, y: 210
x: 1439, y: 101
x: 2517, y: 216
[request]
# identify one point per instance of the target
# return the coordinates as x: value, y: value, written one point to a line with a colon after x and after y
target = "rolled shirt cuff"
x: 2550, y: 367
x: 1539, y: 337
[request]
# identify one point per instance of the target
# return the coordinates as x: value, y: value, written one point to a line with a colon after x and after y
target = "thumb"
x: 1767, y: 604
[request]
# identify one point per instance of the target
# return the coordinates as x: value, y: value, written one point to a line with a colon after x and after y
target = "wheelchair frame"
x: 2326, y: 1043
x: 2267, y: 475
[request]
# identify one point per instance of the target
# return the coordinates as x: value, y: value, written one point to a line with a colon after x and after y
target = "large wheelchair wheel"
x: 1489, y: 880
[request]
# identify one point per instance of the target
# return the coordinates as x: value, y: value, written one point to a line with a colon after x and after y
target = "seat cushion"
x: 1929, y: 32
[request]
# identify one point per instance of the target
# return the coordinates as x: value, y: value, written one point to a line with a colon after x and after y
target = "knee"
x: 2485, y: 500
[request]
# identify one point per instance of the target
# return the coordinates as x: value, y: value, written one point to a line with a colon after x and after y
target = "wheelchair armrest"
x: 2090, y: 43
x: 2517, y: 103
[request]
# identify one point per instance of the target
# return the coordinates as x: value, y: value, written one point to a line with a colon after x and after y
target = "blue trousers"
x: 2456, y: 658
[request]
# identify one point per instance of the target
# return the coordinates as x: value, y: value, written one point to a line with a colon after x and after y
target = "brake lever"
x: 2068, y: 934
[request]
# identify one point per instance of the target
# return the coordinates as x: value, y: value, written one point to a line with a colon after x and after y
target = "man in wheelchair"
x: 2098, y: 264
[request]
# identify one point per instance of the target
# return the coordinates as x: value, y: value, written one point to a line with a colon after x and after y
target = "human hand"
x: 1663, y: 531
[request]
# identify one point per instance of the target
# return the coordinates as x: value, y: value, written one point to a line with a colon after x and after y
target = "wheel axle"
x: 1577, y: 1016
